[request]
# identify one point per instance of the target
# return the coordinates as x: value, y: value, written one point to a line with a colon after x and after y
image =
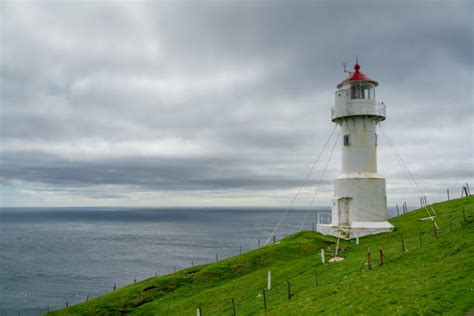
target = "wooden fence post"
x: 289, y: 289
x: 240, y: 249
x: 233, y: 307
x: 259, y: 243
x: 381, y: 256
x: 447, y: 191
x: 269, y: 280
x: 435, y: 229
x: 264, y: 299
x: 199, y: 311
x: 322, y: 256
x: 217, y: 258
x: 403, y: 243
x: 421, y: 238
x: 463, y: 191
x: 398, y: 212
x: 115, y: 286
x: 369, y: 262
x: 464, y: 216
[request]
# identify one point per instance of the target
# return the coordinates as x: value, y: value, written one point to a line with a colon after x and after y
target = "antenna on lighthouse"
x: 344, y: 65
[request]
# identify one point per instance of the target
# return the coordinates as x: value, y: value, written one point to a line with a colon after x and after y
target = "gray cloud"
x: 223, y: 100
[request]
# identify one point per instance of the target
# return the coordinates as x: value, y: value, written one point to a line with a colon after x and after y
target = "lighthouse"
x: 359, y: 206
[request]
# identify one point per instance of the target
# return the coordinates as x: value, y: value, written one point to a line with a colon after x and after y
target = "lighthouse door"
x: 343, y: 207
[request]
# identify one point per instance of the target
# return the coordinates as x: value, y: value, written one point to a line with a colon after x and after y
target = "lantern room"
x: 356, y: 96
x: 360, y: 85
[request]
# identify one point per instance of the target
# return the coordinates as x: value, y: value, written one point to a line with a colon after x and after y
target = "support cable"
x: 321, y: 179
x: 300, y: 188
x: 411, y: 178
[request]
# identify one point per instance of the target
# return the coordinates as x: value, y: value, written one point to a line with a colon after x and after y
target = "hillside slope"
x: 433, y: 275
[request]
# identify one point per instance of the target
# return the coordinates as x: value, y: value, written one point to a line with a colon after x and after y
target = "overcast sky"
x: 225, y: 103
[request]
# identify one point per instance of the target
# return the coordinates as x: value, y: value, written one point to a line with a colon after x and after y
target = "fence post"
x: 217, y: 258
x: 240, y: 249
x: 421, y: 237
x: 289, y: 289
x: 233, y: 307
x: 398, y: 212
x: 369, y: 263
x: 435, y: 229
x: 403, y: 243
x: 115, y: 286
x: 322, y: 256
x: 357, y: 239
x: 464, y: 216
x: 198, y: 311
x: 274, y: 239
x: 447, y: 191
x: 269, y: 280
x: 312, y: 224
x: 264, y: 299
x: 259, y: 243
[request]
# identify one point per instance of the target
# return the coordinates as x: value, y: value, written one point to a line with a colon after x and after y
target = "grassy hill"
x: 433, y: 275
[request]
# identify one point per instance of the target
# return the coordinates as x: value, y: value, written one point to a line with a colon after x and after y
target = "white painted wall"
x: 360, y: 200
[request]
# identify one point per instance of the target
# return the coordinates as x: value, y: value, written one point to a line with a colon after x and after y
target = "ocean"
x: 52, y: 255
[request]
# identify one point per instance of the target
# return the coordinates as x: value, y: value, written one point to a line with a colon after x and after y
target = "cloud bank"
x: 215, y: 103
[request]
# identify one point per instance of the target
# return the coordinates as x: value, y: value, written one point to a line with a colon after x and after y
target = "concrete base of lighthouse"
x: 359, y: 206
x: 356, y: 229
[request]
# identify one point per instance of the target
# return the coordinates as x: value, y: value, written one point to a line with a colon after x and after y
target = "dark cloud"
x: 223, y: 100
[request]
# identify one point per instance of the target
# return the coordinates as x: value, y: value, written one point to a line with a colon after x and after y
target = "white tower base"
x: 357, y: 229
x: 359, y: 206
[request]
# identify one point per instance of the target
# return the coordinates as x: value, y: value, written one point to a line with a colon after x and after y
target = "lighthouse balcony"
x: 345, y: 106
x: 357, y: 108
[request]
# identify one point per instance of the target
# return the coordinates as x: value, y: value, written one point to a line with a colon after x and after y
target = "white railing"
x: 324, y: 218
x: 358, y: 107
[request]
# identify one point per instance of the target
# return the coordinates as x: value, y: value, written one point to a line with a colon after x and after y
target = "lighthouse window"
x: 347, y: 140
x: 362, y: 91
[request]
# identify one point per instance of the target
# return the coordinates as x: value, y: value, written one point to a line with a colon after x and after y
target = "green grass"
x: 436, y: 277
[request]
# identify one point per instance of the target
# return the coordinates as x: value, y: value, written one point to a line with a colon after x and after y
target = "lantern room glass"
x: 362, y: 90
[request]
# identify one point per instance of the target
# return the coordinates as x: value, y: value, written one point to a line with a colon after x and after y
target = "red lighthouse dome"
x: 357, y: 75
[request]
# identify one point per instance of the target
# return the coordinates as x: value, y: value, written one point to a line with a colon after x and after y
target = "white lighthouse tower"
x: 359, y: 206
